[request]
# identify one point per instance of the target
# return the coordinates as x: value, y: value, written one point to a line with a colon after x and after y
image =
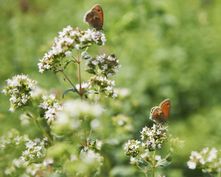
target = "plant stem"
x: 70, y: 82
x: 48, y: 135
x: 79, y: 77
x: 153, y: 165
x: 143, y: 170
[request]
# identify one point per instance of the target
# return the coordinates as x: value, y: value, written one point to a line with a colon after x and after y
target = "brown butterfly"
x: 95, y: 17
x: 161, y: 113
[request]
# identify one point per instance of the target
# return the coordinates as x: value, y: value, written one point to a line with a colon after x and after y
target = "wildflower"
x: 34, y: 149
x: 91, y: 35
x: 66, y: 41
x: 132, y: 148
x: 85, y: 86
x: 19, y: 88
x: 106, y: 65
x: 37, y: 92
x: 103, y: 85
x: 208, y: 159
x: 76, y: 108
x: 12, y: 138
x: 134, y: 161
x: 24, y: 119
x: 191, y: 165
x: 50, y: 108
x: 95, y: 124
x: 91, y: 157
x: 72, y: 113
x: 154, y: 137
x: 122, y: 92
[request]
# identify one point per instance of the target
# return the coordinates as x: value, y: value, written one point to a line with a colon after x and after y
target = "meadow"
x: 165, y: 48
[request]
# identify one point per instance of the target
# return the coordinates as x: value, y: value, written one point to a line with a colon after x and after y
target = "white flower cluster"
x: 153, y: 137
x: 39, y: 169
x: 102, y: 67
x: 32, y: 169
x: 77, y: 108
x: 73, y: 111
x: 91, y: 157
x: 122, y: 93
x: 141, y: 152
x: 132, y: 148
x: 50, y: 108
x: 106, y: 65
x: 208, y: 159
x: 102, y: 84
x: 88, y: 160
x: 33, y: 152
x: 19, y: 88
x: 12, y: 138
x: 85, y: 86
x: 92, y: 36
x: 34, y: 149
x: 67, y: 40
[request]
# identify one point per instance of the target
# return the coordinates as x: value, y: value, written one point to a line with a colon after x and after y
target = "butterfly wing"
x: 95, y: 17
x: 156, y: 114
x: 165, y: 106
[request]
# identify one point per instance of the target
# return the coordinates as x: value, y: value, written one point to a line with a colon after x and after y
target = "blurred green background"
x: 167, y: 49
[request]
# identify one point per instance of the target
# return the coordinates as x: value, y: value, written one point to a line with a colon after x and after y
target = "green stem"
x: 153, y: 165
x: 69, y: 81
x: 143, y: 170
x: 37, y: 124
x: 79, y: 77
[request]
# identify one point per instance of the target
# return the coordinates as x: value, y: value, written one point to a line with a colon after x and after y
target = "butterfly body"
x: 95, y: 17
x: 161, y: 113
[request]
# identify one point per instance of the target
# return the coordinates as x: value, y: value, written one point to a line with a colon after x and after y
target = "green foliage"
x: 167, y: 49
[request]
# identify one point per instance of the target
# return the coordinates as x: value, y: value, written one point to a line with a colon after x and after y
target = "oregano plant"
x: 66, y: 143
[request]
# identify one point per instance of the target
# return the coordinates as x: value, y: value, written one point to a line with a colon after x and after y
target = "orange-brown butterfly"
x: 161, y: 113
x: 95, y: 17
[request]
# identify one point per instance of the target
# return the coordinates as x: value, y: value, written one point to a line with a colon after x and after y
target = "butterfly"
x: 161, y: 113
x: 95, y: 17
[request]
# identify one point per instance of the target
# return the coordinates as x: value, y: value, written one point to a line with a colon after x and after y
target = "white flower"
x: 91, y: 157
x: 95, y: 124
x: 48, y: 162
x: 157, y: 157
x: 68, y: 53
x: 122, y: 92
x: 70, y: 117
x: 18, y: 162
x: 153, y: 137
x: 84, y: 86
x: 132, y: 148
x: 208, y: 159
x: 191, y: 164
x: 19, y: 88
x: 99, y: 144
x: 75, y: 108
x: 144, y: 155
x: 133, y: 160
x: 212, y: 155
x: 50, y: 107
